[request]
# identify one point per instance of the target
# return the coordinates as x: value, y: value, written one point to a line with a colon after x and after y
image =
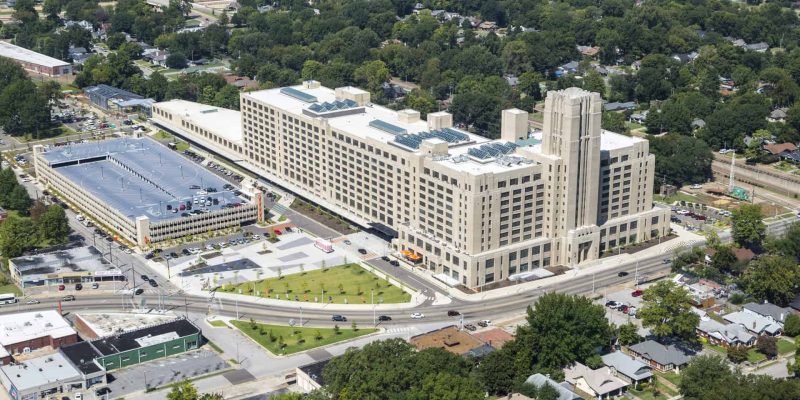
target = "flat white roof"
x: 36, y: 372
x: 15, y: 328
x: 354, y: 124
x: 614, y: 141
x: 222, y: 122
x: 22, y: 54
x: 107, y: 324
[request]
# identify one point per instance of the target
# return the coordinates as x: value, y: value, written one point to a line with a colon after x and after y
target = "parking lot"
x: 164, y: 371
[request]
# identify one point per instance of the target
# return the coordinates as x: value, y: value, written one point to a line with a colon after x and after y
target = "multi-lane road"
x: 490, y: 308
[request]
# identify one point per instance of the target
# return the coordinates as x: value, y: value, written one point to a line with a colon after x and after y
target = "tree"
x: 529, y: 84
x: 724, y: 259
x: 772, y: 278
x: 19, y: 200
x: 703, y: 373
x: 16, y: 237
x: 371, y: 75
x: 176, y: 61
x: 561, y: 329
x: 495, y: 374
x: 24, y: 109
x: 737, y: 354
x: 681, y: 159
x: 614, y: 122
x: 767, y: 345
x: 53, y: 226
x: 667, y: 311
x: 628, y: 334
x: 748, y: 228
x: 186, y: 390
x: 593, y: 82
x: 788, y: 245
x: 791, y: 326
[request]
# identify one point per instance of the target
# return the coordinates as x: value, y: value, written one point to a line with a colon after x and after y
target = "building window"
x: 489, y: 277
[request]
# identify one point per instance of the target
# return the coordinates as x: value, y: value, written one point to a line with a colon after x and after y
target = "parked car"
x: 622, y: 273
x: 385, y: 258
x: 453, y: 313
x: 637, y: 293
x: 145, y: 277
x: 384, y: 318
x: 417, y: 315
x: 68, y: 298
x: 394, y: 263
x: 612, y: 304
x: 347, y: 242
x: 339, y: 318
x: 484, y: 323
x: 95, y: 285
x: 61, y: 287
x: 362, y: 251
x: 470, y: 327
x: 138, y: 291
x: 78, y: 286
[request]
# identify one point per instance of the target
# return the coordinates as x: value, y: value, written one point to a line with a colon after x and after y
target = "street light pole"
x: 372, y: 300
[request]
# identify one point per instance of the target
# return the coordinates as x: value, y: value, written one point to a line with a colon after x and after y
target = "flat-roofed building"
x: 41, y: 378
x: 93, y: 325
x: 142, y: 190
x: 65, y: 265
x: 22, y: 333
x: 35, y: 62
x: 472, y: 210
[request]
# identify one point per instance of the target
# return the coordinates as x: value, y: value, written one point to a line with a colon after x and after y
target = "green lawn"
x: 217, y: 323
x: 295, y: 339
x: 161, y: 135
x: 672, y: 377
x: 181, y: 146
x: 348, y: 283
x: 786, y: 346
x: 754, y: 356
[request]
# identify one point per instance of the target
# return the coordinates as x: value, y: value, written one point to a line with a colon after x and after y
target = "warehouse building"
x: 143, y: 191
x: 22, y: 333
x: 145, y: 344
x: 473, y: 211
x: 35, y: 62
x: 69, y: 265
x: 93, y: 325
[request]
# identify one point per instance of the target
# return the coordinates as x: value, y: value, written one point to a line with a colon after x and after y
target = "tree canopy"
x: 667, y: 311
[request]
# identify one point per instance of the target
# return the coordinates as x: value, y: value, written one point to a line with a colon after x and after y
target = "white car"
x: 417, y: 315
x: 32, y: 301
x: 696, y: 186
x: 79, y: 217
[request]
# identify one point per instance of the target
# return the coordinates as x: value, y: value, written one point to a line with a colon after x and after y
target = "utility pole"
x: 301, y: 316
x: 372, y: 300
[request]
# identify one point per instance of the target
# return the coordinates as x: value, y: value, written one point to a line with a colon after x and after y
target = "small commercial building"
x: 82, y: 356
x: 35, y: 62
x: 41, y: 378
x: 143, y: 191
x: 22, y: 333
x: 309, y: 376
x: 94, y: 325
x: 116, y: 99
x: 146, y: 344
x: 452, y: 339
x: 64, y: 265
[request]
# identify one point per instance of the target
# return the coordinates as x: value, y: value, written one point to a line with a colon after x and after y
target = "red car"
x: 637, y: 293
x: 61, y: 287
x: 625, y: 309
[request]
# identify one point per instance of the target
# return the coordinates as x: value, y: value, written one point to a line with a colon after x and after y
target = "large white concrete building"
x: 473, y: 210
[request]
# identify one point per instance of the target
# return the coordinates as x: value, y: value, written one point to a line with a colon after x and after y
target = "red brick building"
x: 23, y: 332
x: 35, y: 62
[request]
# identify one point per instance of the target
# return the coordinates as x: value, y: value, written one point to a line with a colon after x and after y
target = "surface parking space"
x: 164, y: 371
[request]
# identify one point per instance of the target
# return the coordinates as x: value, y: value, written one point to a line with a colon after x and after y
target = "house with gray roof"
x: 564, y: 393
x: 600, y: 383
x: 757, y: 324
x: 663, y: 357
x: 770, y: 310
x: 725, y: 334
x: 627, y: 368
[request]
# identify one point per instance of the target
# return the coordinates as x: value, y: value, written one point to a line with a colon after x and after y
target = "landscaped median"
x: 283, y: 340
x: 343, y: 284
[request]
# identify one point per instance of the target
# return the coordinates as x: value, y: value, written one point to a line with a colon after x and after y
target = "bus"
x: 8, y: 298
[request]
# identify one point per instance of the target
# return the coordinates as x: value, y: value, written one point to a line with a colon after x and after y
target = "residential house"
x: 600, y: 383
x: 512, y: 80
x: 627, y: 368
x: 615, y: 106
x: 487, y: 26
x: 760, y: 47
x: 795, y: 304
x: 452, y: 339
x: 392, y: 91
x: 735, y: 42
x: 787, y: 151
x: 639, y: 118
x: 158, y: 57
x: 241, y: 82
x: 757, y: 324
x: 663, y: 357
x: 685, y: 57
x: 588, y: 51
x: 494, y: 337
x: 636, y: 65
x: 539, y: 380
x: 698, y: 123
x: 79, y: 55
x: 568, y: 68
x: 778, y: 115
x: 768, y: 310
x: 725, y: 335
